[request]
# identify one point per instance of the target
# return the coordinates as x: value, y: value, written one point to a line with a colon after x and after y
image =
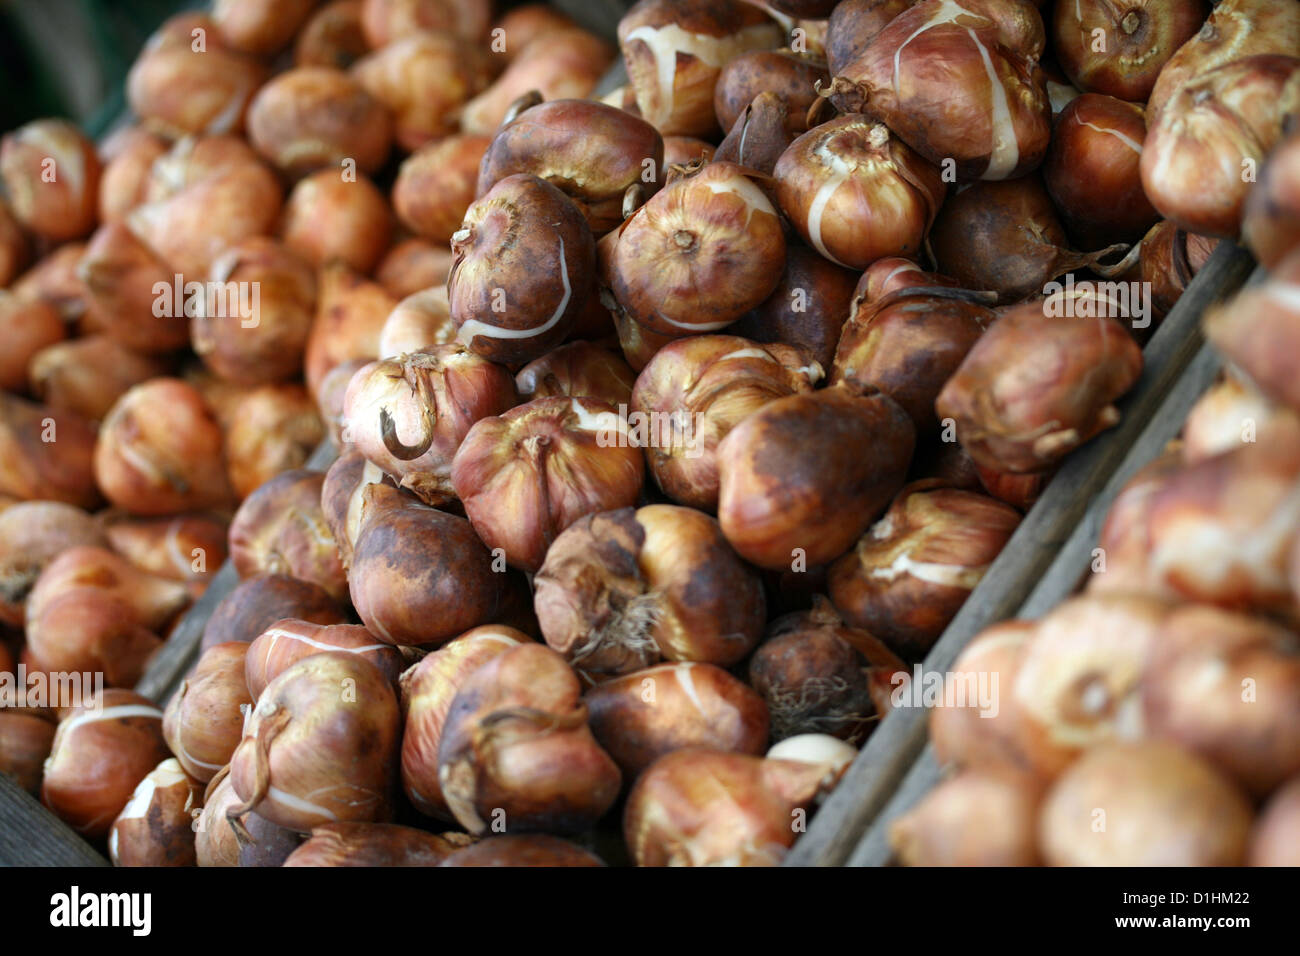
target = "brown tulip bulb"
x: 313, y: 117
x: 342, y: 495
x: 985, y: 115
x: 423, y: 80
x: 1226, y: 686
x: 370, y: 844
x: 1161, y: 806
x: 1202, y: 156
x: 332, y: 36
x: 675, y: 51
x: 204, y: 718
x: 190, y: 229
x: 1092, y: 171
x: 54, y: 278
x: 320, y: 746
x: 261, y: 337
x: 909, y: 344
x: 276, y: 429
x: 1006, y: 237
x: 641, y: 716
x: 51, y: 176
x: 625, y: 589
x: 216, y: 842
x: 525, y: 476
x: 350, y: 315
x: 420, y: 576
x: 133, y: 290
x: 516, y: 752
x: 419, y: 322
x: 14, y: 247
x: 1079, y: 679
x: 387, y: 20
x: 25, y: 742
x: 435, y: 185
x: 855, y: 193
x: 91, y: 610
x: 1139, y: 37
x: 409, y: 414
x: 286, y: 642
x: 524, y: 849
x: 524, y: 266
x: 32, y: 534
x: 1071, y: 362
x: 526, y: 23
x: 260, y: 601
x: 982, y: 722
x: 807, y: 309
x: 187, y: 80
x: 333, y: 216
x: 700, y: 254
x: 682, y: 150
x: 579, y: 370
x: 891, y: 274
x: 46, y: 453
x: 791, y: 75
x: 759, y: 137
x: 977, y: 818
x: 160, y: 451
x: 563, y: 64
x: 794, y: 490
x: 156, y: 828
x: 591, y: 152
x: 812, y: 683
x: 1235, y: 29
x: 88, y: 375
x: 1232, y: 412
x: 1270, y: 226
x: 853, y: 24
x: 101, y: 752
x: 1275, y: 840
x: 1255, y: 331
x: 1170, y: 257
x: 186, y: 548
x: 1219, y: 531
x: 909, y: 575
x: 260, y: 27
x: 427, y: 690
x: 280, y: 529
x: 28, y: 327
x: 699, y: 807
x: 694, y: 392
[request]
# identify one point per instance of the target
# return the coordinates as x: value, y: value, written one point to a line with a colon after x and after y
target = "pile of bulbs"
x: 673, y: 425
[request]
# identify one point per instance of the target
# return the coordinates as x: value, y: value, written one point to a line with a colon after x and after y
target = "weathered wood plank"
x: 890, y: 752
x: 31, y: 835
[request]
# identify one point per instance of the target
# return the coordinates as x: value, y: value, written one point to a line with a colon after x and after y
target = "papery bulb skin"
x: 525, y: 476
x: 592, y: 152
x: 625, y: 589
x: 409, y: 414
x: 320, y: 746
x: 702, y: 252
x: 1138, y: 39
x: 856, y: 193
x: 516, y: 748
x: 675, y: 50
x: 779, y: 514
x: 986, y: 114
x: 524, y: 266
